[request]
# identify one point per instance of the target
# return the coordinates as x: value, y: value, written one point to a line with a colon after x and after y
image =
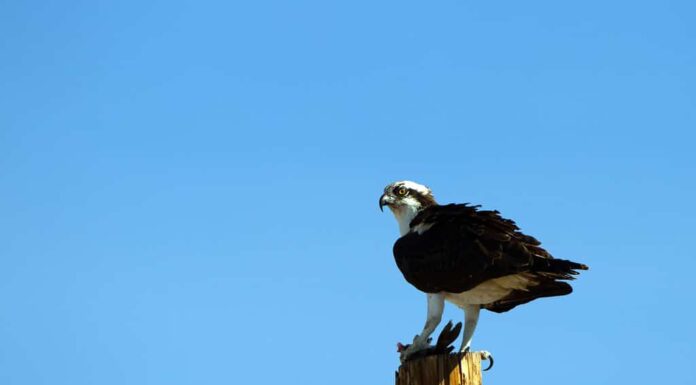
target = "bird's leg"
x: 436, y: 305
x: 471, y: 316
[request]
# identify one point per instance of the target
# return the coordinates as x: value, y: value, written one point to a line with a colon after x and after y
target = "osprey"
x: 473, y: 258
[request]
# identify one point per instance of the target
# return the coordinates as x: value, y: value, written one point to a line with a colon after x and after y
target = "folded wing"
x: 460, y: 247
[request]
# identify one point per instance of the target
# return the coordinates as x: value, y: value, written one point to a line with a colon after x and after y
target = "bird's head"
x: 406, y: 199
x: 406, y: 194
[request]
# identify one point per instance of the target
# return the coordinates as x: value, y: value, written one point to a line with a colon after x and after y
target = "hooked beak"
x: 385, y: 200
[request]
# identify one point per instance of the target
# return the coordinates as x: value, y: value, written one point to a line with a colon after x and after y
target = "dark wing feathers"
x: 466, y: 246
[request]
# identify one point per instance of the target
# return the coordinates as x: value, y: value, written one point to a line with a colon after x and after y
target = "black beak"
x: 383, y: 202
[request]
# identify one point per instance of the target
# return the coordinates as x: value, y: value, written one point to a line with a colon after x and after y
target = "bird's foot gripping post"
x: 436, y: 365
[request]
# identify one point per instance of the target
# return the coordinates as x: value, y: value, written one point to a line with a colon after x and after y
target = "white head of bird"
x: 406, y: 199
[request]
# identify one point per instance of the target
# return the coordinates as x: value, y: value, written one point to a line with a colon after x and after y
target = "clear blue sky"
x: 189, y: 188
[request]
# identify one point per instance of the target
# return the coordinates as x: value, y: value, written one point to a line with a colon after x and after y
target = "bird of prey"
x: 470, y: 257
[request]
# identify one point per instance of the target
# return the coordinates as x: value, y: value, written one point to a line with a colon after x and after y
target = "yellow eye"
x: 402, y: 191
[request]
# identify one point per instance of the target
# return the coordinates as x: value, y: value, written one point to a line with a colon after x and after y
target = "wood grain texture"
x: 443, y: 369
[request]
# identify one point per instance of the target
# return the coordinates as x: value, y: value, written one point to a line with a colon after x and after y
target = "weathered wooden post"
x: 437, y: 366
x: 442, y: 369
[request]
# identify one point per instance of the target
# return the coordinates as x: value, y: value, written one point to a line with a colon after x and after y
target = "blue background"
x: 189, y: 188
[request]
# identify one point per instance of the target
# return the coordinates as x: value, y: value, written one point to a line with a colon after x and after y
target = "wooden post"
x: 442, y: 369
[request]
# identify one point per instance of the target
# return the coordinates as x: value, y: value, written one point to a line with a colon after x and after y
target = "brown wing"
x: 466, y: 246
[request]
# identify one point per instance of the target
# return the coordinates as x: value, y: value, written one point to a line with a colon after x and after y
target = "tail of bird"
x: 557, y: 268
x: 549, y: 276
